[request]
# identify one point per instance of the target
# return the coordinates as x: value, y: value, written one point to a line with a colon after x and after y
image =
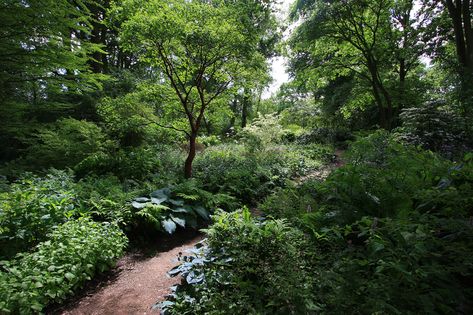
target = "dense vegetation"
x: 123, y: 120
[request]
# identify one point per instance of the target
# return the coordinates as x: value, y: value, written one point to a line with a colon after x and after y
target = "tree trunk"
x: 244, y: 110
x: 190, y: 156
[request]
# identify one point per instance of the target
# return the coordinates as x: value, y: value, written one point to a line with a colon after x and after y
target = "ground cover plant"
x: 74, y: 252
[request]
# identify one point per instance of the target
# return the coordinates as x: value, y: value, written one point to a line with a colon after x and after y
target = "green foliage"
x: 324, y: 135
x: 380, y: 181
x: 32, y: 208
x: 140, y: 163
x: 421, y: 264
x: 291, y: 202
x: 262, y: 132
x: 396, y: 217
x: 434, y: 127
x: 105, y: 198
x: 165, y: 209
x: 251, y: 175
x: 40, y: 55
x: 67, y: 143
x: 264, y: 272
x: 75, y: 251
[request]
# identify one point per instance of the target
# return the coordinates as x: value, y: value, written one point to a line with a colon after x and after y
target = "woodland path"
x: 138, y: 282
x: 134, y: 286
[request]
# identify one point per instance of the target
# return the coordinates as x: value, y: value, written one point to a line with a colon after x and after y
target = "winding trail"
x: 136, y: 284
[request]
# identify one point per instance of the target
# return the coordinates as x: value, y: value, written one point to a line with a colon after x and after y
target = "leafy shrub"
x: 422, y: 264
x: 209, y: 140
x: 251, y: 175
x: 291, y: 202
x: 32, y: 208
x: 435, y: 128
x: 74, y: 252
x: 228, y: 169
x: 105, y: 198
x: 264, y: 130
x: 165, y: 210
x: 264, y: 272
x: 66, y: 143
x: 137, y: 163
x: 392, y: 231
x: 381, y: 180
x: 324, y: 135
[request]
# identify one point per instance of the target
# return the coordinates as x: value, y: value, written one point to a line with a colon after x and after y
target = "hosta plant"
x: 166, y: 209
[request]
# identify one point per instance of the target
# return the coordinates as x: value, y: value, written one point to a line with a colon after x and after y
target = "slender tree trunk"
x: 379, y: 92
x: 244, y: 110
x: 190, y: 156
x: 381, y: 110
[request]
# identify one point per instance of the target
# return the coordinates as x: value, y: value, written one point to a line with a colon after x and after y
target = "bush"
x: 105, y: 198
x: 435, y: 128
x: 32, y: 208
x: 391, y: 231
x: 324, y: 135
x: 74, y: 252
x: 263, y: 131
x: 419, y: 265
x: 291, y: 202
x: 229, y: 169
x: 66, y: 143
x: 137, y: 163
x: 164, y: 210
x: 252, y: 175
x: 381, y: 180
x: 264, y: 272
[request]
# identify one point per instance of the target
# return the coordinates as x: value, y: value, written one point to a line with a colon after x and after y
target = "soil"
x: 324, y: 171
x: 136, y: 284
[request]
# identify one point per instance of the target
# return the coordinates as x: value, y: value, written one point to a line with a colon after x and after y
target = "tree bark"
x: 190, y: 156
x: 244, y: 110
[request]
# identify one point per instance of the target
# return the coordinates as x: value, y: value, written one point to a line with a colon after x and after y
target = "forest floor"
x: 136, y: 284
x: 140, y: 280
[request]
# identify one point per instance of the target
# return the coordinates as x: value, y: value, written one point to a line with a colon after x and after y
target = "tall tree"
x: 368, y: 40
x: 200, y: 47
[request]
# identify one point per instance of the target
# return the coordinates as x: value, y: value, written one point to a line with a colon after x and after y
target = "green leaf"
x: 163, y: 194
x: 69, y: 276
x: 179, y: 221
x: 177, y: 202
x: 202, y: 212
x: 182, y: 210
x: 169, y: 225
x: 139, y: 205
x: 158, y: 201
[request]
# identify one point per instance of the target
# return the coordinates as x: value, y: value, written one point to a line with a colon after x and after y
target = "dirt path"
x: 324, y: 171
x: 136, y: 285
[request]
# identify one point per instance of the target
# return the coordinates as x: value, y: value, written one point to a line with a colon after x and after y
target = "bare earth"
x: 138, y: 285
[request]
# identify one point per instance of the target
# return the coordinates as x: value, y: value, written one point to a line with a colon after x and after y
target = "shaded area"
x: 139, y: 280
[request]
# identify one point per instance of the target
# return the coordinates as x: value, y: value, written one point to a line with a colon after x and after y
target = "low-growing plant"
x: 165, y: 210
x: 74, y: 252
x: 264, y: 272
x: 136, y: 163
x: 435, y: 127
x: 251, y: 175
x: 32, y: 208
x: 105, y: 198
